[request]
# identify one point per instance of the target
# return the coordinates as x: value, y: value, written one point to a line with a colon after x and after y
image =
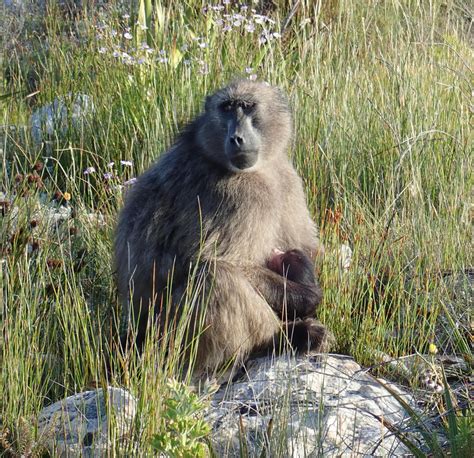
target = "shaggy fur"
x: 192, y: 207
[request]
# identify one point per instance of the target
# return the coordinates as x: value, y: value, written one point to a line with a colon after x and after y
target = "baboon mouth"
x: 244, y: 160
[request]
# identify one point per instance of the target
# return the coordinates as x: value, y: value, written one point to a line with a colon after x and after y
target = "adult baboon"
x: 223, y: 197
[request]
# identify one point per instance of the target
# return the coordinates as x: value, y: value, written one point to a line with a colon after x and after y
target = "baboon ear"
x: 282, y: 94
x: 207, y: 105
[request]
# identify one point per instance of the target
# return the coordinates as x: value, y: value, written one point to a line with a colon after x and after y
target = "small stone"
x: 345, y: 257
x: 55, y: 118
x: 78, y: 425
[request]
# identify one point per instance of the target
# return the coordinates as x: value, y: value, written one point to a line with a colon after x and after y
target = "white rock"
x: 55, y: 117
x: 55, y: 215
x: 345, y: 257
x: 94, y: 219
x: 78, y: 425
x: 306, y: 406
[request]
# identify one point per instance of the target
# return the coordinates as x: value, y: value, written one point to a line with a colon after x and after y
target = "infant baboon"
x: 294, y: 265
x: 222, y: 197
x: 298, y: 270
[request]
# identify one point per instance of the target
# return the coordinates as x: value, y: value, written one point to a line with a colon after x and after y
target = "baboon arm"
x: 288, y: 299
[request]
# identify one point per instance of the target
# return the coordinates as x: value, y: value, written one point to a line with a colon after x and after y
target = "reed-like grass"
x: 382, y: 98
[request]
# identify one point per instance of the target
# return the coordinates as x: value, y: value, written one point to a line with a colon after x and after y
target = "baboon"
x: 222, y: 198
x: 294, y: 265
x: 298, y: 270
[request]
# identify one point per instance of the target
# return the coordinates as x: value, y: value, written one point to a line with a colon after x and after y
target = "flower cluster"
x: 113, y: 176
x: 118, y: 42
x: 243, y: 19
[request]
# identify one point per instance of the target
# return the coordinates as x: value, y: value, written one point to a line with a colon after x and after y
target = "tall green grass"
x: 381, y: 95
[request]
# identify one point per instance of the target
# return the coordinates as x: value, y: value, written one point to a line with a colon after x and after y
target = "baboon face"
x: 244, y: 125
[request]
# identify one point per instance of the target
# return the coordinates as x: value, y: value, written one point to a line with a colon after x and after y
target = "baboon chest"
x: 245, y: 222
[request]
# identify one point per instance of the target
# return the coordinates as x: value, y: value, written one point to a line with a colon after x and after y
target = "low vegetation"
x: 382, y: 99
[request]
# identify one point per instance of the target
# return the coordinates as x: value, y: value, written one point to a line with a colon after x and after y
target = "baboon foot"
x: 309, y: 334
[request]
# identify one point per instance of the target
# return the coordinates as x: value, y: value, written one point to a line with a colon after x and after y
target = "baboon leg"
x: 239, y: 316
x: 237, y: 320
x: 308, y: 334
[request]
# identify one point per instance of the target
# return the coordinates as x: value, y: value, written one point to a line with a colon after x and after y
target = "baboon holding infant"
x: 225, y: 197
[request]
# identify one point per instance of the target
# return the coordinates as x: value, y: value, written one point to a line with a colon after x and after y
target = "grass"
x: 381, y: 94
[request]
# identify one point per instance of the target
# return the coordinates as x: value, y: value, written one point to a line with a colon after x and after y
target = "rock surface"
x: 57, y: 116
x: 306, y: 406
x: 79, y: 424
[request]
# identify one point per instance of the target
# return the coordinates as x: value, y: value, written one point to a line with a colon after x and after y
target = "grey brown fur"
x: 196, y: 203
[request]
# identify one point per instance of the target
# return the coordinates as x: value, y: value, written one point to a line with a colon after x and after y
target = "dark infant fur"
x: 222, y: 198
x: 298, y: 270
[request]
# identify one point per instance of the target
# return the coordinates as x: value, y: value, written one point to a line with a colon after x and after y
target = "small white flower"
x: 250, y: 27
x: 127, y: 36
x: 102, y: 50
x: 126, y: 16
x: 127, y: 163
x: 110, y: 165
x: 89, y: 170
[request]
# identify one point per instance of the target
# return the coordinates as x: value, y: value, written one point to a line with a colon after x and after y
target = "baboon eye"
x: 226, y: 106
x: 246, y: 106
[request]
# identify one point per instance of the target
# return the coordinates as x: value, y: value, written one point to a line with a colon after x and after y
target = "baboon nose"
x: 237, y: 140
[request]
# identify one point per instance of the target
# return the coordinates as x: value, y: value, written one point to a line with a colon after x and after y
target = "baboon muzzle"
x: 242, y: 144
